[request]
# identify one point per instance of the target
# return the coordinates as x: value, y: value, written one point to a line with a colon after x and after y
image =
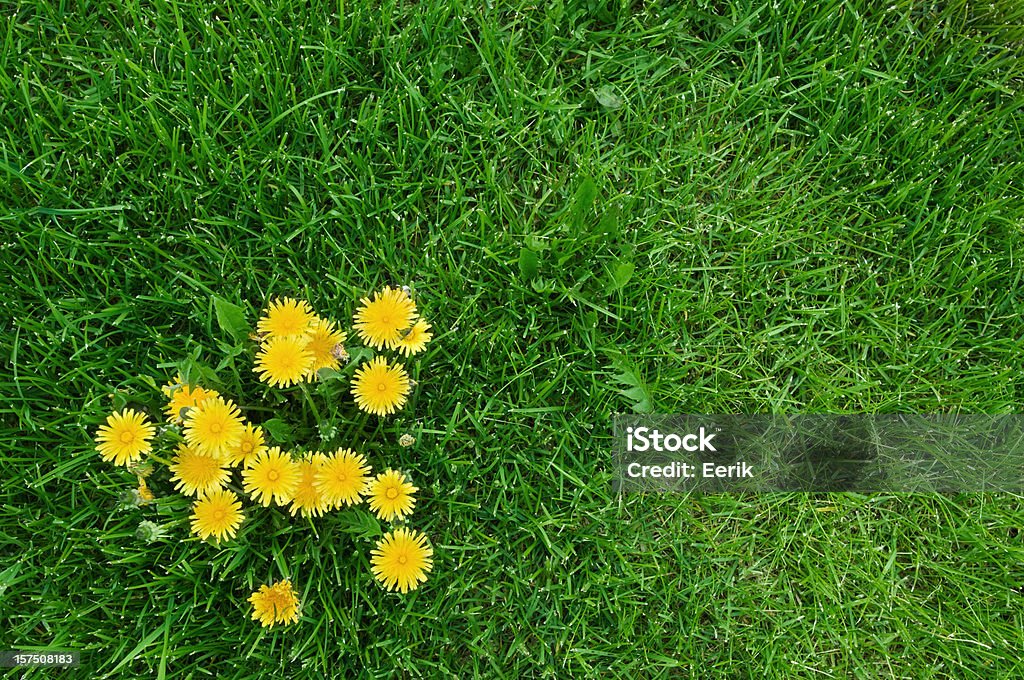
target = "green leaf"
x: 9, y: 577
x: 279, y: 430
x: 536, y: 243
x: 586, y: 194
x: 187, y: 368
x: 231, y: 319
x: 542, y: 285
x: 360, y: 354
x: 620, y: 275
x: 638, y: 392
x: 327, y: 373
x: 229, y: 352
x: 607, y: 98
x: 564, y: 257
x: 609, y: 224
x: 195, y: 373
x: 362, y: 524
x: 529, y: 264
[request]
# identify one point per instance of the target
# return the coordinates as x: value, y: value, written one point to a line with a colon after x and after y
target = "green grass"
x: 821, y: 206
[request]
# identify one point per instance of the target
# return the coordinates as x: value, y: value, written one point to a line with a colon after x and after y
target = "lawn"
x: 602, y: 207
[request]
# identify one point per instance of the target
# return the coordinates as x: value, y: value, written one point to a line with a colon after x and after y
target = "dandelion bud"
x: 150, y: 532
x: 328, y: 431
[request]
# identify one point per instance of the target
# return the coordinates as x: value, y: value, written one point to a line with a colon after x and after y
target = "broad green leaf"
x: 586, y: 194
x: 620, y: 275
x: 327, y: 373
x: 609, y: 224
x: 229, y: 349
x: 231, y: 319
x: 529, y: 263
x: 279, y: 430
x: 360, y: 354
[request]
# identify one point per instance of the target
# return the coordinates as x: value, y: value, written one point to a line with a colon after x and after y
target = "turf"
x: 703, y: 207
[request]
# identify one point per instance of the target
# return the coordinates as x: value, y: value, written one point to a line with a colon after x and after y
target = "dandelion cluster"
x: 220, y: 461
x: 389, y: 321
x: 295, y: 343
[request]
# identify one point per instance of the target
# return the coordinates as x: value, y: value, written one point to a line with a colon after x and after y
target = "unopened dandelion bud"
x: 150, y: 532
x: 328, y: 431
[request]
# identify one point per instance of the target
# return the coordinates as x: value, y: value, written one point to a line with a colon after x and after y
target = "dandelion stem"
x: 159, y: 459
x: 309, y: 402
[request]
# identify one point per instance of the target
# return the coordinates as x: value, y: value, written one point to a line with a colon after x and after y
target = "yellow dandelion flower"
x: 307, y: 497
x: 391, y: 496
x: 415, y: 341
x: 323, y: 338
x: 251, y: 444
x: 276, y: 603
x: 181, y: 397
x: 379, y: 387
x: 402, y: 559
x: 380, y: 323
x: 283, y: 361
x: 272, y: 475
x: 214, y: 427
x: 218, y: 514
x: 125, y: 437
x: 343, y: 477
x: 197, y: 474
x: 285, y: 317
